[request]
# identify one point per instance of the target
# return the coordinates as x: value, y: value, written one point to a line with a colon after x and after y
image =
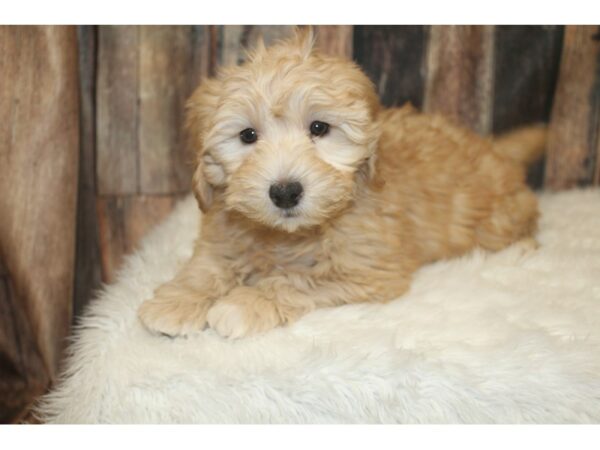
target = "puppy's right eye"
x: 248, y: 136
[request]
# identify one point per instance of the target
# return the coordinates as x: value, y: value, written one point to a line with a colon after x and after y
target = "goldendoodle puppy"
x: 314, y: 195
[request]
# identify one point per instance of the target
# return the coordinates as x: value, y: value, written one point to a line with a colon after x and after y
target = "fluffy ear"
x: 200, y: 109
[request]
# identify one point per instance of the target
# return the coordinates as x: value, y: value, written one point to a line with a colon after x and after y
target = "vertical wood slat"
x: 460, y: 74
x: 166, y: 77
x: 335, y: 40
x: 158, y: 66
x: 38, y: 169
x: 394, y: 58
x: 526, y: 64
x: 22, y: 373
x: 87, y: 258
x: 573, y: 156
x: 117, y: 158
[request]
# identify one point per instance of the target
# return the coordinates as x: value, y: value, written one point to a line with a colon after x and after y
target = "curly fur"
x: 385, y: 191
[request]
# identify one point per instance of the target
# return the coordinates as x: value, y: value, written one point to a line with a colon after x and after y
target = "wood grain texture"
x: 117, y: 158
x: 394, y: 58
x: 460, y: 74
x: 123, y: 221
x: 169, y: 63
x: 22, y: 373
x: 87, y: 258
x: 166, y: 79
x: 39, y: 118
x: 574, y: 145
x: 526, y: 63
x: 234, y: 40
x: 335, y: 40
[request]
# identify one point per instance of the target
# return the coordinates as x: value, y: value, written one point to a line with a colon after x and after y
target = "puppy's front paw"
x: 174, y: 316
x: 243, y: 312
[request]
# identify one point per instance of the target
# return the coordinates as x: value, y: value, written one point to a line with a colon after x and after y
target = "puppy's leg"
x: 180, y: 305
x: 281, y: 300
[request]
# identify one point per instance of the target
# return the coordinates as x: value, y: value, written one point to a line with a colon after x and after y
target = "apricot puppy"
x: 314, y: 195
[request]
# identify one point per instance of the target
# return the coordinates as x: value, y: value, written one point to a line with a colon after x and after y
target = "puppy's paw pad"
x: 172, y: 316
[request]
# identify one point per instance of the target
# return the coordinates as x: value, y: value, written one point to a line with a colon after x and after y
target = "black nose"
x: 286, y: 195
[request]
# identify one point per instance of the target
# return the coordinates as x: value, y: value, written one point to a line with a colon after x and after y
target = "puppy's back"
x: 456, y: 188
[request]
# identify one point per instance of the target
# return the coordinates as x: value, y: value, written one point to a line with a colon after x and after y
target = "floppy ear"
x: 200, y: 109
x: 369, y: 169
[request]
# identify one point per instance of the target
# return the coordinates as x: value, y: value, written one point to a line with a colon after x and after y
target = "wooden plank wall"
x: 131, y: 164
x: 39, y: 148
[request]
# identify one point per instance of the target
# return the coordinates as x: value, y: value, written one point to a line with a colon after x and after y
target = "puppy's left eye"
x: 248, y: 136
x: 318, y: 128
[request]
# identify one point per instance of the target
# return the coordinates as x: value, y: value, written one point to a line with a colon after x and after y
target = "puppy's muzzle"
x: 286, y: 195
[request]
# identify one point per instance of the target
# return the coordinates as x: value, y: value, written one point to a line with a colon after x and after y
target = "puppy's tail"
x: 524, y: 145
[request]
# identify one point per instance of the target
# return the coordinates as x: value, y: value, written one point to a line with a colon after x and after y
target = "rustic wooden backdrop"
x: 92, y: 153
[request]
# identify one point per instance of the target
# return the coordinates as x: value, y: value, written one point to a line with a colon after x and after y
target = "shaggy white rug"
x: 508, y: 337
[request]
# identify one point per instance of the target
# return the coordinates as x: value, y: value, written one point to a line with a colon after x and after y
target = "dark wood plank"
x: 123, y: 221
x: 526, y: 63
x: 393, y: 57
x: 39, y: 120
x: 573, y: 142
x: 87, y: 258
x: 336, y: 40
x: 117, y: 159
x: 166, y: 79
x: 23, y: 376
x: 460, y: 74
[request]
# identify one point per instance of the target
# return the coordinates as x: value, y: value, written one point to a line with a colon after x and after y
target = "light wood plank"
x: 39, y: 145
x: 335, y: 40
x: 460, y: 74
x: 573, y: 155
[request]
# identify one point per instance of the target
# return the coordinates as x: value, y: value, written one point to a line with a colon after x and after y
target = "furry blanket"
x: 508, y: 337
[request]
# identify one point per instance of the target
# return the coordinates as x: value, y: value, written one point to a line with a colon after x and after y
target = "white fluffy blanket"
x: 508, y: 337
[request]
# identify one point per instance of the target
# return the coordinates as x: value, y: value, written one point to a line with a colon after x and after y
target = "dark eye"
x: 248, y: 136
x: 318, y: 128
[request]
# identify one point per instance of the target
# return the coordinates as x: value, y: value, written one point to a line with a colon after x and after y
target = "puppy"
x: 314, y: 195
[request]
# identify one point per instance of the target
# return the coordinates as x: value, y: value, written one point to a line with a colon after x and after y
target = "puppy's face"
x: 287, y: 138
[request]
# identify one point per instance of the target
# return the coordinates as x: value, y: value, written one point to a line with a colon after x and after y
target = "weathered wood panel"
x: 574, y: 145
x: 87, y: 258
x: 394, y: 58
x: 38, y: 178
x: 123, y: 221
x: 117, y: 158
x: 460, y: 74
x: 159, y: 67
x: 526, y: 63
x: 22, y: 373
x: 166, y: 77
x: 335, y: 39
x: 235, y: 40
